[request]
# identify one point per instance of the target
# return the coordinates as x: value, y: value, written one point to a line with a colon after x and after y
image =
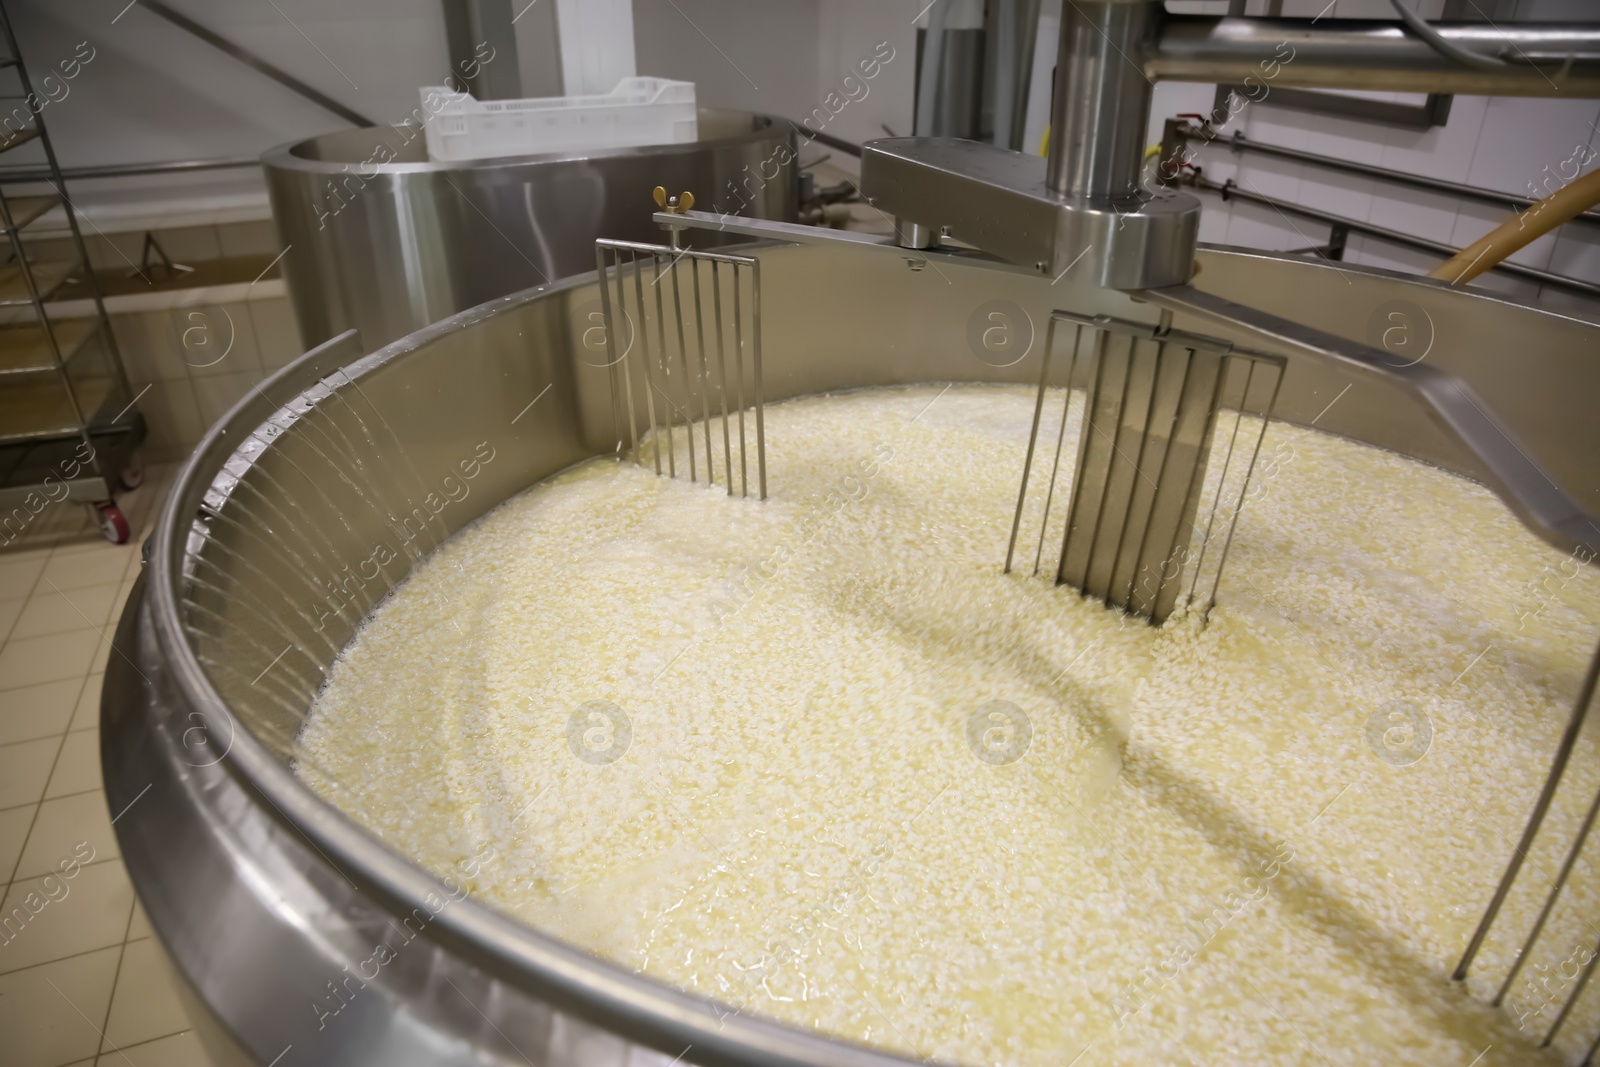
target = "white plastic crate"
x: 639, y: 111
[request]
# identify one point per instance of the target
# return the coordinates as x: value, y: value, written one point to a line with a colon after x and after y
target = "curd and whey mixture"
x: 818, y: 759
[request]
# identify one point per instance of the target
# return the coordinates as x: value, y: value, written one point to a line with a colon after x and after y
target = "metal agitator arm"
x: 1085, y: 212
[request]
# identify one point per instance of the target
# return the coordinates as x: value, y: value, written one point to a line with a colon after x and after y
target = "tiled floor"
x: 82, y: 981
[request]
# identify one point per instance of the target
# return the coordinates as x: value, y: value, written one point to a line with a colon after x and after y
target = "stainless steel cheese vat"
x: 273, y: 904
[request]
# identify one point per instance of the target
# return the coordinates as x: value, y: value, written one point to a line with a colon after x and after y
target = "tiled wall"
x: 184, y: 397
x: 186, y: 244
x: 123, y: 250
x: 183, y: 388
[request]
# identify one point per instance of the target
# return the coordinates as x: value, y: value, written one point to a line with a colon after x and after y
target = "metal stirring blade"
x: 681, y: 379
x: 1148, y: 403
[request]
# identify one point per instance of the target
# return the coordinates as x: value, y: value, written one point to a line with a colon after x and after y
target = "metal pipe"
x: 1238, y: 142
x: 1542, y: 58
x: 1102, y: 99
x: 124, y: 170
x: 1231, y: 191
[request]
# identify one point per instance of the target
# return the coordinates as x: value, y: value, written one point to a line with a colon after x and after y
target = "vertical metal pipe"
x: 667, y: 405
x: 1033, y: 437
x: 620, y: 323
x: 683, y: 360
x: 755, y: 354
x: 722, y: 378
x: 1102, y: 98
x: 1061, y: 437
x: 608, y: 322
x: 738, y: 368
x: 705, y: 380
x: 1255, y: 453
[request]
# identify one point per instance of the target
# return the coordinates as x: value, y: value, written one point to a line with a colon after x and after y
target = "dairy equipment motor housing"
x: 268, y: 898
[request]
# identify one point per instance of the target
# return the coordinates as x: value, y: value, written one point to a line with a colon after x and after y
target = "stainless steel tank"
x: 384, y: 241
x: 273, y: 903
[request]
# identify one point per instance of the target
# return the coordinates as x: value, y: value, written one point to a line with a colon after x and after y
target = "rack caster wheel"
x: 132, y: 477
x: 113, y: 523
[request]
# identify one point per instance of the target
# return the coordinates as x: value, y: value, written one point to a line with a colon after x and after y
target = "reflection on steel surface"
x: 382, y: 240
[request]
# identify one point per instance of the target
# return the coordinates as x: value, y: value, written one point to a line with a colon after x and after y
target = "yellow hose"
x: 1520, y: 230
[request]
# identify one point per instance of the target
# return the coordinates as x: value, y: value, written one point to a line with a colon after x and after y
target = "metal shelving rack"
x: 69, y: 424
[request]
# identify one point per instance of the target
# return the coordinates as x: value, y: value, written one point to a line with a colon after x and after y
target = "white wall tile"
x: 1345, y: 138
x: 1536, y: 254
x: 1214, y: 218
x: 1338, y: 194
x: 1443, y: 151
x: 1287, y: 127
x: 1277, y: 178
x: 1258, y: 226
x: 1577, y: 252
x: 1415, y: 212
x: 1523, y: 136
x: 1218, y: 163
